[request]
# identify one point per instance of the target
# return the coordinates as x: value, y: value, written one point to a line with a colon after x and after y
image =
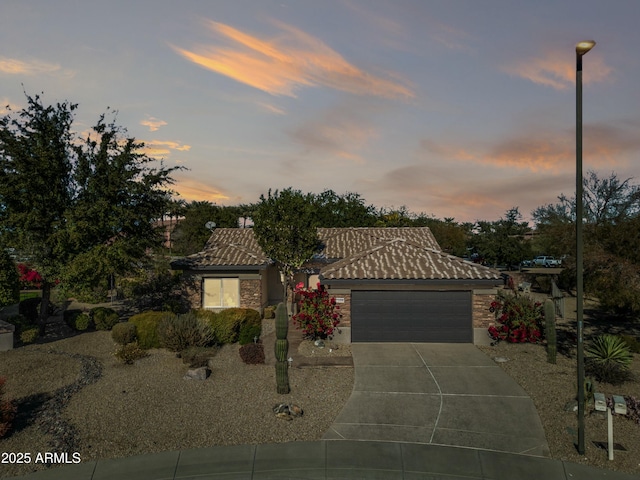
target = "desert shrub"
x: 270, y: 312
x: 124, y: 332
x: 29, y: 308
x: 252, y: 353
x: 632, y: 342
x: 7, y: 411
x: 104, y: 318
x: 248, y: 332
x: 226, y: 324
x: 519, y: 319
x: 130, y: 352
x: 182, y: 331
x: 147, y: 328
x: 608, y: 359
x: 250, y: 326
x: 77, y: 319
x: 29, y: 335
x: 197, y: 357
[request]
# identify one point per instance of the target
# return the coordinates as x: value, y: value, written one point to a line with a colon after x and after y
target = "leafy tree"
x: 611, y: 239
x: 191, y: 234
x: 502, y: 242
x: 80, y: 211
x: 9, y: 280
x: 285, y: 226
x: 339, y: 211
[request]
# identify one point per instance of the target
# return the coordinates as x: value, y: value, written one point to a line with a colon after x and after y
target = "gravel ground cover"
x: 552, y: 387
x: 74, y: 395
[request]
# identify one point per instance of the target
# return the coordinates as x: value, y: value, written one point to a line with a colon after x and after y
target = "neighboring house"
x: 392, y: 284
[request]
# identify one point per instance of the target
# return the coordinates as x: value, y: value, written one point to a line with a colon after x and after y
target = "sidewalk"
x: 333, y: 459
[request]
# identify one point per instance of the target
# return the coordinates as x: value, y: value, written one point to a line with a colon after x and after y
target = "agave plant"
x: 609, y: 358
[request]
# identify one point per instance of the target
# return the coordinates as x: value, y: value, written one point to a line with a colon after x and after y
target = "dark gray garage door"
x: 411, y: 316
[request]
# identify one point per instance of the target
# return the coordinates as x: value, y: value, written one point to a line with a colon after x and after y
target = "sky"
x: 457, y: 109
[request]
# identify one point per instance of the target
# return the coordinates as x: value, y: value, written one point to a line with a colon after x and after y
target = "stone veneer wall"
x: 345, y: 309
x: 251, y: 294
x: 482, y: 317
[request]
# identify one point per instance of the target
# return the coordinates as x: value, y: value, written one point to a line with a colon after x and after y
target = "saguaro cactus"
x: 281, y: 350
x: 550, y: 330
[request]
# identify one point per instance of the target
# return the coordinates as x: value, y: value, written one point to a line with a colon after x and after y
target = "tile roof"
x: 227, y: 247
x: 399, y: 259
x: 362, y: 253
x: 344, y: 242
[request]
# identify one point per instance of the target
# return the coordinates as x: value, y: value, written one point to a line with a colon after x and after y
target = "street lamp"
x: 581, y: 49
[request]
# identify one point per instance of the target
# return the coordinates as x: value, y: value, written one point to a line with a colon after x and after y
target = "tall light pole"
x: 581, y: 49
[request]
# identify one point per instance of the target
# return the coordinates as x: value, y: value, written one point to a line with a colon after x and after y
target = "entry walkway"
x: 329, y: 460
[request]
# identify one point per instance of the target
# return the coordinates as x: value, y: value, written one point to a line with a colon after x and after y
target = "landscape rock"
x: 201, y: 373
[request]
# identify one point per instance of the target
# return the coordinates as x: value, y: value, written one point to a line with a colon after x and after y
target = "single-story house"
x: 392, y: 284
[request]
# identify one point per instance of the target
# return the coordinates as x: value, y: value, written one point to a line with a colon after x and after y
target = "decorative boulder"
x: 201, y: 373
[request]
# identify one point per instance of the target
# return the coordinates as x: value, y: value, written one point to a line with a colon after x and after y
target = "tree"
x: 611, y: 239
x: 339, y: 211
x: 502, y: 242
x: 9, y: 280
x: 191, y: 234
x: 285, y: 226
x: 80, y: 211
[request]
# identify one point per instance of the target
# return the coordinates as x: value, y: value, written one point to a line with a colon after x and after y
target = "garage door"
x: 411, y: 316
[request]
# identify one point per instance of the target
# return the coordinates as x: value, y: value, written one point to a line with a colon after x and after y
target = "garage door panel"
x: 411, y: 316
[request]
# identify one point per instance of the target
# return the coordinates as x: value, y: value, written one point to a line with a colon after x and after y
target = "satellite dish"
x: 210, y: 226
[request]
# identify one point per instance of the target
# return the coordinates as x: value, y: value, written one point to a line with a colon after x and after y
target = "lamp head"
x: 584, y: 47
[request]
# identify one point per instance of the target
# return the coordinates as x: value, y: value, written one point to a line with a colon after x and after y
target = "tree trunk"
x: 44, y: 307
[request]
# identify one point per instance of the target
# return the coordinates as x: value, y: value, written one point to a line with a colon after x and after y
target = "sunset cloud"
x: 162, y: 148
x: 342, y: 131
x: 558, y: 71
x: 13, y: 66
x: 194, y: 190
x: 153, y: 123
x: 272, y: 108
x: 291, y: 60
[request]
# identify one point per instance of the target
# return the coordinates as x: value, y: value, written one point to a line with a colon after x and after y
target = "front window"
x: 221, y: 292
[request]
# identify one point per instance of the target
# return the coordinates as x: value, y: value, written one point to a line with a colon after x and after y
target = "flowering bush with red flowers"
x: 29, y: 278
x: 518, y: 319
x: 318, y: 315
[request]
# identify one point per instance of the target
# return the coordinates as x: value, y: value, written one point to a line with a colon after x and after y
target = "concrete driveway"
x: 440, y: 394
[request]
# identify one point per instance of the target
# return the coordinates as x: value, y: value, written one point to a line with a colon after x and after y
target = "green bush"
x: 608, y: 359
x: 182, y: 331
x: 228, y: 323
x: 147, y: 328
x: 29, y: 335
x: 197, y: 357
x: 270, y: 312
x: 130, y: 352
x: 30, y: 308
x: 124, y: 332
x: 104, y: 318
x: 77, y: 320
x: 82, y: 322
x: 249, y: 330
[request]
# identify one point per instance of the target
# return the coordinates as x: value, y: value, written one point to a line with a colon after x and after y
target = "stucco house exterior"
x: 392, y: 284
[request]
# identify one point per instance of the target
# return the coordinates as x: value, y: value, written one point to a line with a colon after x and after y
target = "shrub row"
x: 198, y: 329
x: 100, y: 318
